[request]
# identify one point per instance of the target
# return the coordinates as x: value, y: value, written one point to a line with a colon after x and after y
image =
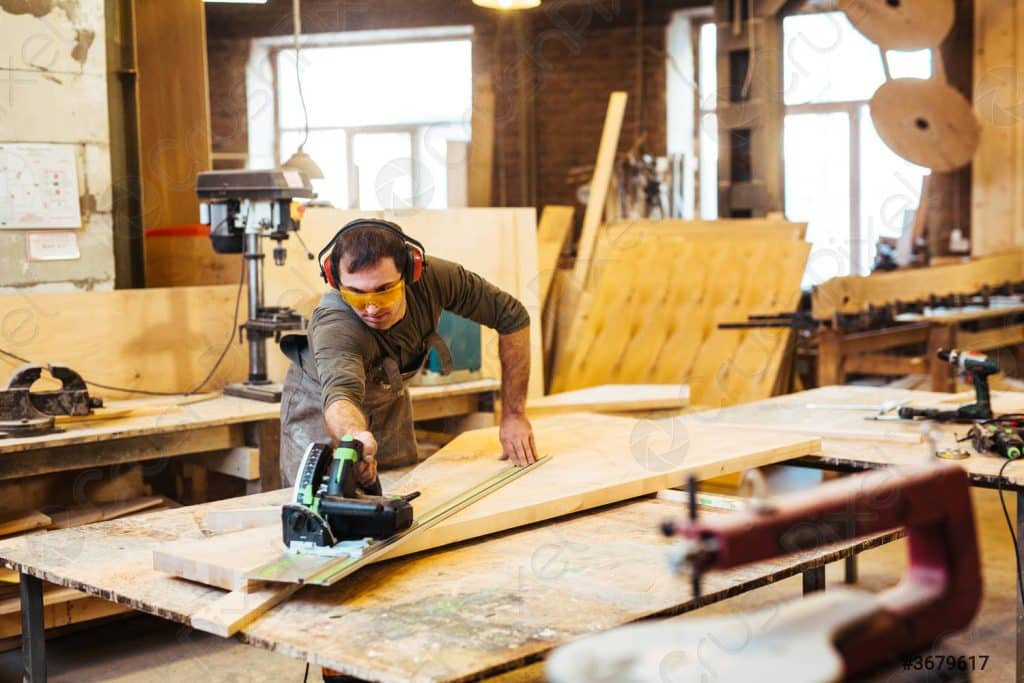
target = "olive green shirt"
x: 345, y: 348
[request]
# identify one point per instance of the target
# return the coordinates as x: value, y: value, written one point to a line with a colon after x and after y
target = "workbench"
x: 461, y: 613
x: 236, y: 436
x: 843, y: 353
x: 868, y: 444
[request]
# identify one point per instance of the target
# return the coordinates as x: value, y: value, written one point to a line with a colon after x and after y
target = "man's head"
x: 369, y: 261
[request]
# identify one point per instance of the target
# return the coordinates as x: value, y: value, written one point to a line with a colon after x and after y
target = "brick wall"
x: 552, y: 69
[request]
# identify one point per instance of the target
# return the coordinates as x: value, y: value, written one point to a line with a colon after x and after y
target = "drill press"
x: 242, y: 208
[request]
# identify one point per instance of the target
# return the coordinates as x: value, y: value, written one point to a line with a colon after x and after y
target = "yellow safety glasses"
x: 382, y: 299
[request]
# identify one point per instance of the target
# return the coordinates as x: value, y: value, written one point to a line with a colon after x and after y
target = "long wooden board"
x: 154, y: 339
x: 597, y: 460
x: 853, y: 293
x: 599, y: 182
x: 612, y: 398
x: 509, y: 261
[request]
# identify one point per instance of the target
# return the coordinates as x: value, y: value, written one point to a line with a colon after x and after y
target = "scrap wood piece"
x: 612, y: 398
x: 599, y: 184
x: 237, y: 609
x: 26, y: 521
x: 597, y: 460
x: 221, y: 521
x: 552, y: 231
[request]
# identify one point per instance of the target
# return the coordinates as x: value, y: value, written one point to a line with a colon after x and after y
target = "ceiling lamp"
x: 507, y: 4
x: 300, y: 161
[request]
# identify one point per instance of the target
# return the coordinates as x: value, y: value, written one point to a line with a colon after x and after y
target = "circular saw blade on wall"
x: 926, y: 122
x: 901, y: 24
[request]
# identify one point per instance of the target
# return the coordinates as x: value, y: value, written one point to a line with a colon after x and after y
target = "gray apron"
x: 386, y: 405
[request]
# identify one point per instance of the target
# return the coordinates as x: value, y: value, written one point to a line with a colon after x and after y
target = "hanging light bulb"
x: 300, y: 161
x: 507, y: 4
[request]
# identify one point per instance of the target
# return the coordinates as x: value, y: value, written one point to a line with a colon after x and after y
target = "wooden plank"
x: 995, y: 338
x: 853, y: 293
x: 509, y: 262
x: 603, y: 167
x: 612, y: 398
x: 174, y: 123
x: 165, y: 339
x: 995, y: 178
x: 481, y: 145
x: 242, y: 462
x: 554, y: 228
x: 24, y: 522
x: 597, y: 460
x: 884, y: 364
x: 653, y: 311
x: 220, y: 521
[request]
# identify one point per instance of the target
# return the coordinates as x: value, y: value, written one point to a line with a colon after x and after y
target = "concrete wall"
x: 53, y: 88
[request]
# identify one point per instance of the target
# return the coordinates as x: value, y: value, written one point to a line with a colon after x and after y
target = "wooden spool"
x: 901, y: 24
x: 926, y: 122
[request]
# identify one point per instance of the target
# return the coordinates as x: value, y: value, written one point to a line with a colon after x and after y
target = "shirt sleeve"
x: 465, y: 293
x: 339, y: 350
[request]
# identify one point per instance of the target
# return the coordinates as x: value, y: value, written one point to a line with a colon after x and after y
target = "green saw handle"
x: 342, y: 478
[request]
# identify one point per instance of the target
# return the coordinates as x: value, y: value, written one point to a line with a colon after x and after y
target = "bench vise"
x: 24, y: 412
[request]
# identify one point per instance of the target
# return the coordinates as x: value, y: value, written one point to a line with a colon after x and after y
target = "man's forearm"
x: 343, y: 417
x: 514, y: 353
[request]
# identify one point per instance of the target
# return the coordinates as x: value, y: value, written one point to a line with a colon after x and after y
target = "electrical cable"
x: 305, y: 676
x: 297, y: 26
x: 194, y: 390
x: 1009, y: 525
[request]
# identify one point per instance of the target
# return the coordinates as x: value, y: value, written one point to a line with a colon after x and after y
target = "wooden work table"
x: 461, y: 613
x: 868, y: 444
x: 237, y: 435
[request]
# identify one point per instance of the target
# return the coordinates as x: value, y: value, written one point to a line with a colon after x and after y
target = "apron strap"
x: 393, y: 374
x: 444, y: 354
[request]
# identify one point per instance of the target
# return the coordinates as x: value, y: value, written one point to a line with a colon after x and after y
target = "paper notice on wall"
x: 38, y: 186
x: 52, y: 246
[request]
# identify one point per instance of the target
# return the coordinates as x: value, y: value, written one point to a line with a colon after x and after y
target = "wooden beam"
x: 241, y: 462
x: 552, y: 231
x: 603, y: 167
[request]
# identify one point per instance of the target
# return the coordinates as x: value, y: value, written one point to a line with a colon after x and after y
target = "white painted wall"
x: 53, y: 88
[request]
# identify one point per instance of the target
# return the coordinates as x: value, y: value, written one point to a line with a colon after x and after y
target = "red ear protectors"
x: 416, y: 255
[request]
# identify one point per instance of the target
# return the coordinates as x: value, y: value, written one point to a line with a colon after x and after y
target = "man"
x: 371, y: 333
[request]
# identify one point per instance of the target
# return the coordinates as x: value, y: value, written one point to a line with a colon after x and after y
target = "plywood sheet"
x: 597, y: 460
x: 498, y: 244
x: 164, y: 339
x: 653, y: 310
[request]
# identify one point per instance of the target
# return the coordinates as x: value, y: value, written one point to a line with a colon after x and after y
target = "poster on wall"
x: 38, y: 186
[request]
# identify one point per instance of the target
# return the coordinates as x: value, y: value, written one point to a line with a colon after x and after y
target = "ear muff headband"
x: 415, y: 259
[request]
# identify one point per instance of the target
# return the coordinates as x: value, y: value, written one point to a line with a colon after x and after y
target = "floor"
x: 146, y: 649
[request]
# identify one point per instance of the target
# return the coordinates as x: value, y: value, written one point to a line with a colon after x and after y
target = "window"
x: 840, y: 178
x: 380, y: 117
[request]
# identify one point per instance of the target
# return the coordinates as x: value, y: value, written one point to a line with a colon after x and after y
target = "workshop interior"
x: 577, y: 341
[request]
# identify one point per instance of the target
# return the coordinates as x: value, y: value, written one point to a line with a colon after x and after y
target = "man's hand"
x: 516, y: 437
x: 366, y: 468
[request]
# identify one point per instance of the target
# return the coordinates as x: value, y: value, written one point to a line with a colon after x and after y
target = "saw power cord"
x: 1009, y: 525
x: 195, y: 389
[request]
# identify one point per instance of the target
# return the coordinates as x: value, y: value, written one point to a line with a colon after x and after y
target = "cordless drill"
x: 977, y: 367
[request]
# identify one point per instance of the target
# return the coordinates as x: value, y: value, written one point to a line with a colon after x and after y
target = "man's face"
x: 382, y: 278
